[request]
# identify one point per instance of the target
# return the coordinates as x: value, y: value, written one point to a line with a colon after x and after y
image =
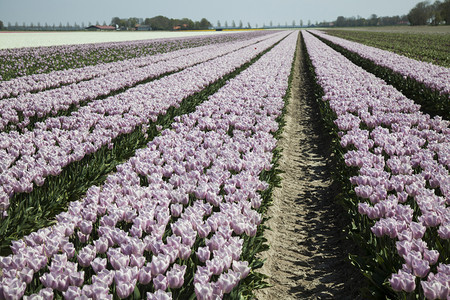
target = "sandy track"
x: 308, y: 252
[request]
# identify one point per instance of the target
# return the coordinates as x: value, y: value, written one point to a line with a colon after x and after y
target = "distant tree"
x: 293, y: 23
x: 248, y: 25
x: 226, y: 24
x: 131, y: 22
x: 271, y: 24
x: 1, y: 25
x: 301, y: 23
x: 309, y: 23
x: 218, y: 24
x: 161, y: 23
x: 233, y: 24
x: 240, y: 24
x: 435, y: 12
x: 373, y: 21
x: 115, y: 21
x: 340, y: 21
x: 444, y: 9
x: 420, y: 14
x: 205, y: 24
x: 189, y: 23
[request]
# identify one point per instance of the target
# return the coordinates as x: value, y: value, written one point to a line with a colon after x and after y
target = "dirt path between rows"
x: 308, y: 252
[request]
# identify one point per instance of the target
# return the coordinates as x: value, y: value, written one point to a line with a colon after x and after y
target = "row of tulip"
x: 24, y: 110
x: 433, y: 76
x: 35, y: 60
x: 401, y: 158
x: 40, y: 82
x: 423, y: 82
x: 30, y: 211
x: 44, y: 81
x: 172, y: 221
x: 28, y: 158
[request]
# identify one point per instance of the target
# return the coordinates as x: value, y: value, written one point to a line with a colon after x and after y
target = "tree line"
x: 374, y: 20
x: 161, y: 23
x: 155, y: 23
x: 426, y: 13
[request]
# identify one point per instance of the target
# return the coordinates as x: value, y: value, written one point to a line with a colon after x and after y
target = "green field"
x: 430, y: 44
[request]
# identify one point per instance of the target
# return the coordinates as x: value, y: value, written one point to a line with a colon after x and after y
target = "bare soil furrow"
x: 308, y: 251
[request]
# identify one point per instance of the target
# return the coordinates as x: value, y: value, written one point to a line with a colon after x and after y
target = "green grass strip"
x: 429, y: 47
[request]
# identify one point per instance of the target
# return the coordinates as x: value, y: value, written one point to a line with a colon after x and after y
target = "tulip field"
x: 425, y: 83
x: 143, y: 170
x: 397, y: 160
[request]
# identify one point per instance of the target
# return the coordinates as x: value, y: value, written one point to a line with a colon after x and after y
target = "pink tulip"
x: 125, y: 289
x: 242, y: 268
x: 204, y: 291
x: 98, y: 264
x: 175, y: 276
x: 14, y: 289
x: 160, y: 282
x: 145, y: 274
x: 159, y: 264
x: 72, y: 293
x: 159, y: 295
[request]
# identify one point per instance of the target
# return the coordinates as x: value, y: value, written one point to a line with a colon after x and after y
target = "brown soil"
x: 308, y: 255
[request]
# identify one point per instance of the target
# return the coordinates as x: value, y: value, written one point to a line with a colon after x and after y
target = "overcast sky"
x: 248, y: 11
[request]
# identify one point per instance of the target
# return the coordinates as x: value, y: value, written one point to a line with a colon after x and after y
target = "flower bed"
x: 103, y: 141
x: 400, y: 161
x: 60, y: 141
x: 35, y: 60
x: 44, y: 81
x: 25, y: 110
x: 173, y: 221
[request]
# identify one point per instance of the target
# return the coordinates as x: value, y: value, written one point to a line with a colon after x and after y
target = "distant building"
x: 179, y: 27
x: 142, y: 27
x: 100, y: 27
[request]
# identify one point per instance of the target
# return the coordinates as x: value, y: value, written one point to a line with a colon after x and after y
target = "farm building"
x: 141, y: 27
x: 101, y: 27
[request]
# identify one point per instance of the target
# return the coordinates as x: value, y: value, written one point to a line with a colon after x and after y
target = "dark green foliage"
x: 431, y: 48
